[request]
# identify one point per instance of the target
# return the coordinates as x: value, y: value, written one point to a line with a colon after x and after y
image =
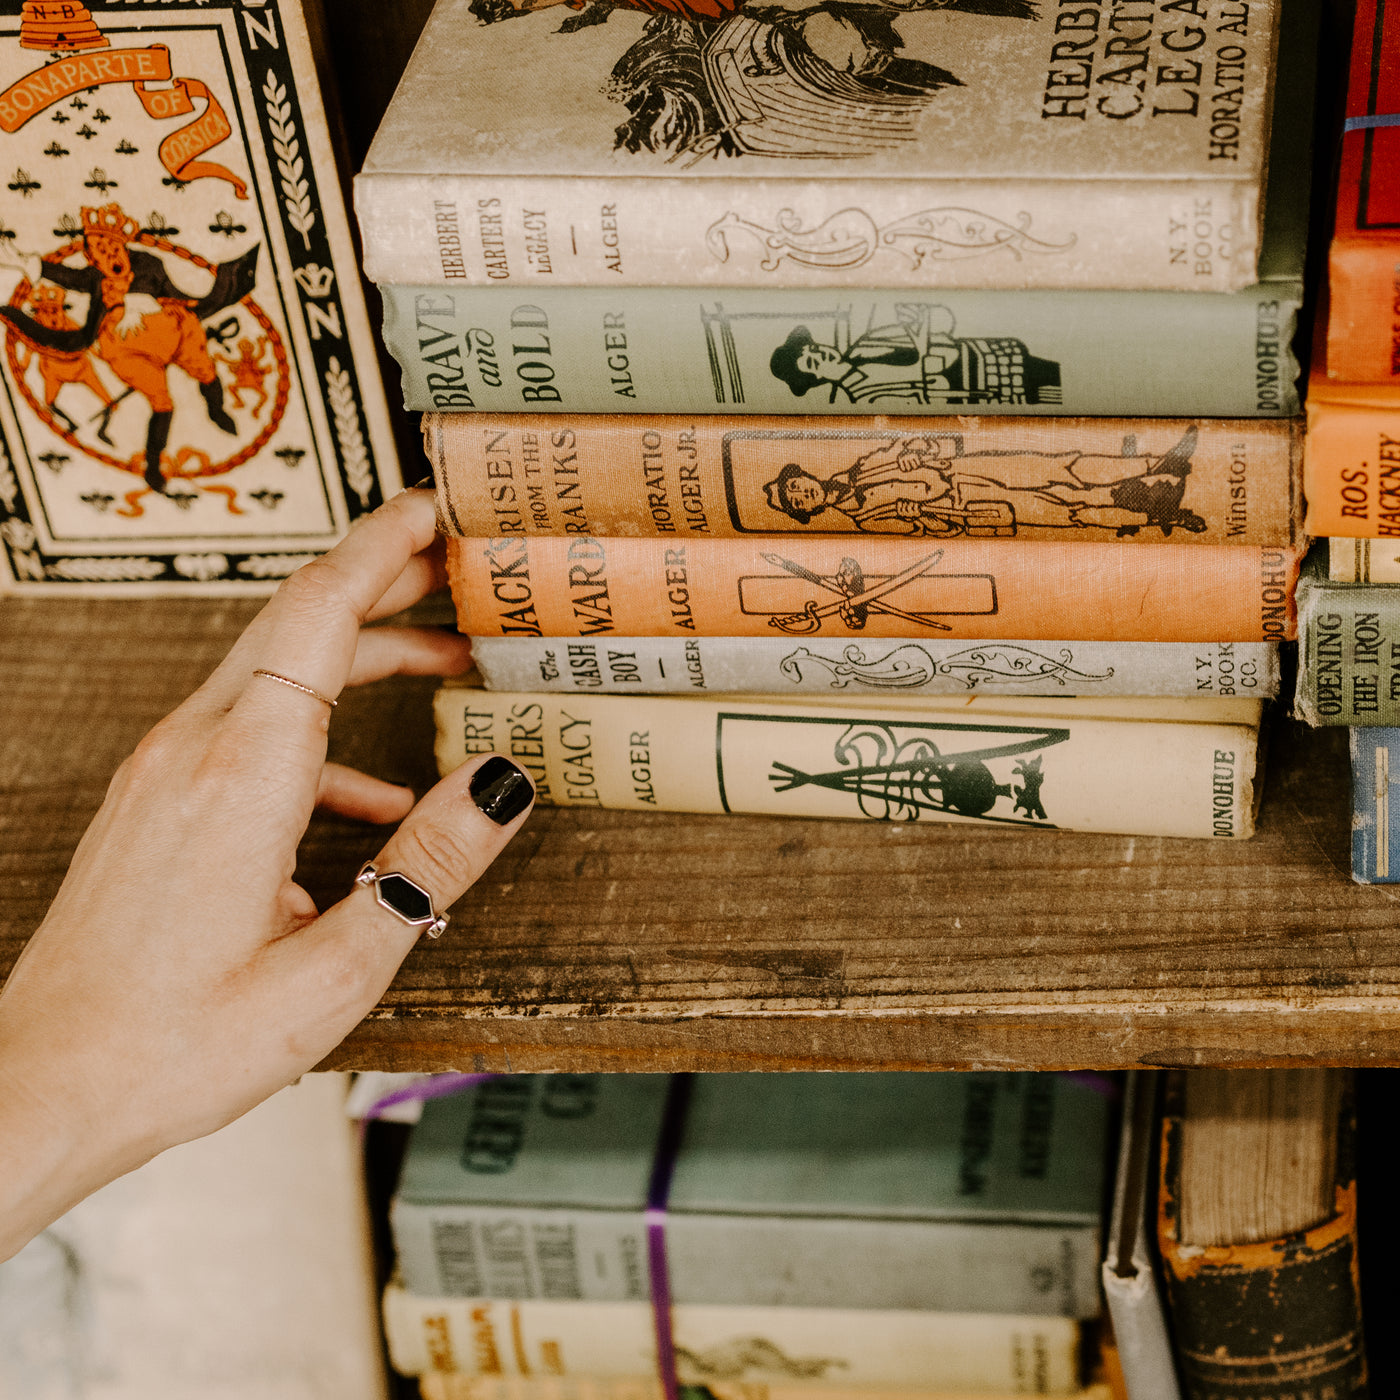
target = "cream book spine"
x: 453, y: 1385
x: 1139, y: 767
x: 826, y: 1350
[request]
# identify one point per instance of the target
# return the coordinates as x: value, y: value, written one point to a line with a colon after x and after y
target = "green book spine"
x: 1349, y: 653
x: 692, y: 351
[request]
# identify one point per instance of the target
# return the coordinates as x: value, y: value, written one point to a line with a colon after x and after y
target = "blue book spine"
x: 1375, y: 851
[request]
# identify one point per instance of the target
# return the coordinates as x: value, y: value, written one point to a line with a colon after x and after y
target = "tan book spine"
x: 830, y: 1351
x: 1216, y: 481
x: 1140, y: 768
x: 819, y: 586
x: 493, y: 229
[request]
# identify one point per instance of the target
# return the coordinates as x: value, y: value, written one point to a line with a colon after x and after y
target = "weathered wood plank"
x: 621, y: 941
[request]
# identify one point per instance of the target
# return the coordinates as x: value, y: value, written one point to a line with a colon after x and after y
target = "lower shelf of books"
x: 613, y: 940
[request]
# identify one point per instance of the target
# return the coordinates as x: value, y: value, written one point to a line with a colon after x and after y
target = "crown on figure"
x: 111, y: 221
x: 58, y: 25
x: 315, y: 280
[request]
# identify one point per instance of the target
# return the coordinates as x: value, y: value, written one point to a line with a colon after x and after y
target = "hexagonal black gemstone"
x: 401, y: 894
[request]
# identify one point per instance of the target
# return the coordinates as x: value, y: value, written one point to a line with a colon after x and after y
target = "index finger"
x: 309, y: 629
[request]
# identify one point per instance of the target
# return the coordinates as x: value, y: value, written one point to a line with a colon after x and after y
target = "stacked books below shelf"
x: 823, y: 1236
x: 952, y: 594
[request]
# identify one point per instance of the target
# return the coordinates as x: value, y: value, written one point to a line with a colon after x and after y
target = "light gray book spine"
x: 780, y: 666
x: 457, y: 1250
x: 1130, y: 1282
x: 752, y: 350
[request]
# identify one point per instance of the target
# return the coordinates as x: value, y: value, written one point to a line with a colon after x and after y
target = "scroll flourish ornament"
x: 999, y: 663
x: 905, y: 667
x: 850, y: 238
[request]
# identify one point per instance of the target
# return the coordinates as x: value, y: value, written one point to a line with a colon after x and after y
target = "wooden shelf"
x: 612, y: 941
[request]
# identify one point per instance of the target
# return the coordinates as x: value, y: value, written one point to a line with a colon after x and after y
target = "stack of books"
x: 1349, y: 605
x: 751, y: 1237
x: 621, y: 253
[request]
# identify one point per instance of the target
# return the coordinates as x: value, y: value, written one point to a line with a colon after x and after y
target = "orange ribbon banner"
x: 180, y: 152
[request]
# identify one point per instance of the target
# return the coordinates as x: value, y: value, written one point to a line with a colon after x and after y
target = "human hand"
x: 181, y: 975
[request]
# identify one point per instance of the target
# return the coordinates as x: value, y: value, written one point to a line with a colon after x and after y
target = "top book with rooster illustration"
x: 820, y: 143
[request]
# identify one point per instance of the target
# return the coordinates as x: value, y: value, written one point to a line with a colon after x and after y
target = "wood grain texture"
x: 617, y: 941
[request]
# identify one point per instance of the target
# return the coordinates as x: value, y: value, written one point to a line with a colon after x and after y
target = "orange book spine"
x: 1351, y: 469
x: 1363, y: 331
x: 590, y: 586
x: 1208, y: 481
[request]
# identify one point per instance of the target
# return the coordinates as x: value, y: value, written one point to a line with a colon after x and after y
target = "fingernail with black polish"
x: 426, y: 484
x: 501, y: 790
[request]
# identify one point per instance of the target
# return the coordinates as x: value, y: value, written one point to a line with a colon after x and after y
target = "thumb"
x: 441, y: 849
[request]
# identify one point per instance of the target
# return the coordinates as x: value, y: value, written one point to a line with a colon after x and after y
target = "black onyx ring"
x: 399, y: 895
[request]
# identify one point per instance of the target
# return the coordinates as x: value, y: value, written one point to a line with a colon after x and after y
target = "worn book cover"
x: 189, y: 395
x: 811, y: 143
x: 1363, y: 330
x: 610, y: 665
x: 1277, y: 1317
x: 1213, y: 481
x: 454, y: 1385
x: 946, y: 1192
x: 1348, y: 650
x: 828, y: 1351
x: 810, y: 585
x: 1375, y: 837
x: 841, y: 351
x: 1141, y: 767
x: 1363, y: 561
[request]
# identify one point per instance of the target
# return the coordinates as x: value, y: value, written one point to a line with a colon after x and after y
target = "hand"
x: 181, y: 975
x: 136, y: 306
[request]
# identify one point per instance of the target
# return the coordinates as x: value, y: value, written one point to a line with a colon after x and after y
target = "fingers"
x: 349, y: 793
x: 310, y: 628
x: 409, y: 651
x: 443, y: 846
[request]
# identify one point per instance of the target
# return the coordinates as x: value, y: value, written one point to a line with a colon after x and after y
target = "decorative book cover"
x: 776, y: 666
x: 454, y: 1385
x: 1213, y: 481
x: 992, y: 143
x: 1363, y: 330
x: 842, y: 351
x: 1277, y: 1318
x: 814, y: 585
x: 828, y: 1351
x: 1375, y: 838
x: 1140, y: 767
x: 189, y: 394
x: 1351, y: 458
x: 903, y: 1192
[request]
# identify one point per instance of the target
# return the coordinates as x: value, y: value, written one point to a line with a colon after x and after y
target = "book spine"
x: 829, y: 1351
x: 1375, y: 834
x: 772, y: 665
x: 453, y: 1385
x: 815, y: 585
x: 1210, y: 482
x: 1364, y: 258
x: 1348, y: 654
x: 1351, y: 470
x: 574, y: 231
x: 1276, y: 1318
x: 750, y: 350
x: 1363, y: 561
x: 1363, y: 311
x: 452, y: 1249
x: 1027, y: 766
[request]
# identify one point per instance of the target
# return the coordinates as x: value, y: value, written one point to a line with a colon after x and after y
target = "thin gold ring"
x: 297, y: 685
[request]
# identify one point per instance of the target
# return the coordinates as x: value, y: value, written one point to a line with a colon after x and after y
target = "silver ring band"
x: 297, y: 685
x: 404, y: 897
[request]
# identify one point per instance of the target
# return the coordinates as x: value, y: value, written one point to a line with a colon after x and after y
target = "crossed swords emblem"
x: 854, y: 601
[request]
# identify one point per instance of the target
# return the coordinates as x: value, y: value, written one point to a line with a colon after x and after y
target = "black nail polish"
x: 426, y: 484
x: 501, y: 790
